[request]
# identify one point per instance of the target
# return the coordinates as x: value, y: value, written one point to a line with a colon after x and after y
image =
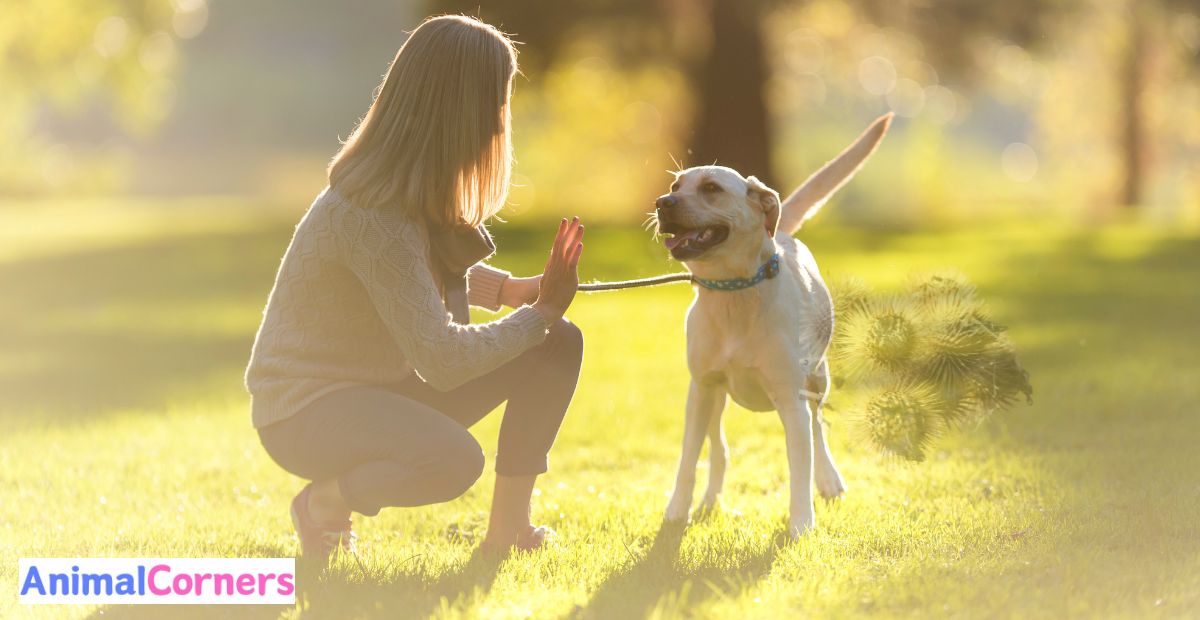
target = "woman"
x: 365, y: 374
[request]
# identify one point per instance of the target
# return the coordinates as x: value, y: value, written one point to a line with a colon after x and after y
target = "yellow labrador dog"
x: 761, y: 321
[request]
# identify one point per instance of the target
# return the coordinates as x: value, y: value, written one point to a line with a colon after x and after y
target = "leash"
x: 766, y: 271
x: 654, y: 281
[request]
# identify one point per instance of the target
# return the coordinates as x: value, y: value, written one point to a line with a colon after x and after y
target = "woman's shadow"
x: 396, y: 595
x: 349, y: 591
x: 632, y: 591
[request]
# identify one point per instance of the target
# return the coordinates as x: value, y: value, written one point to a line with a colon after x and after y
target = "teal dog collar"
x: 768, y: 270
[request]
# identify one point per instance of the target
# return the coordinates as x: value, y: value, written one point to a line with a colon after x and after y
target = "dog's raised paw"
x: 829, y: 483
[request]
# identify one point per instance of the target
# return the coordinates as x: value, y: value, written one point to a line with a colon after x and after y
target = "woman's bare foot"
x: 510, y: 511
x: 535, y: 538
x: 529, y: 539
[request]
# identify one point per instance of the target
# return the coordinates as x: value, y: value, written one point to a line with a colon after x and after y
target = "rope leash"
x: 654, y: 281
x: 768, y: 270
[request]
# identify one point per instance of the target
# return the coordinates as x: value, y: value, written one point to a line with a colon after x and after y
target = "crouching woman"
x: 365, y: 373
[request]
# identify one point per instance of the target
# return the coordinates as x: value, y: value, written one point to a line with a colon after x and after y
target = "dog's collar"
x: 768, y: 270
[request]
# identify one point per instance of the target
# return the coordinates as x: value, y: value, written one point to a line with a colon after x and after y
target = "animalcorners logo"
x: 159, y: 581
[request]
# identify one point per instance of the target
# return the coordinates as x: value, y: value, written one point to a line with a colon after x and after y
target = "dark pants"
x: 407, y: 444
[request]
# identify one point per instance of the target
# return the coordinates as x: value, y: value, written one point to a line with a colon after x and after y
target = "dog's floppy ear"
x: 767, y: 199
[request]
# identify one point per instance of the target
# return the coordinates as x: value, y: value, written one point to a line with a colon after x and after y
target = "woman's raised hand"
x: 561, y: 278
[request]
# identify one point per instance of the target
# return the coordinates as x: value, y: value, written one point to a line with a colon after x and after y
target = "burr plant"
x: 927, y: 359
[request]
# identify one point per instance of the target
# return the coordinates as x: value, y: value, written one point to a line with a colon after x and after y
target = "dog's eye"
x: 710, y: 187
x: 675, y: 186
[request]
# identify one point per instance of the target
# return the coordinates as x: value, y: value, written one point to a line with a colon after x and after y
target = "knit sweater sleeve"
x: 483, y: 286
x: 389, y: 258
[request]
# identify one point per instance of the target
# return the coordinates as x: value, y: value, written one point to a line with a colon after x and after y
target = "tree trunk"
x: 731, y: 127
x: 1132, y: 129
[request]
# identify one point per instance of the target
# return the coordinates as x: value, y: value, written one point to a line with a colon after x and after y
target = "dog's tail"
x: 808, y: 199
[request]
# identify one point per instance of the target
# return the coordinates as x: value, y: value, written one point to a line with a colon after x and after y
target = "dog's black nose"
x: 665, y: 201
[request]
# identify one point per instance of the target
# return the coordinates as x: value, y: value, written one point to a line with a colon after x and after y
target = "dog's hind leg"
x: 718, y: 457
x: 826, y: 476
x: 703, y: 400
x: 797, y: 421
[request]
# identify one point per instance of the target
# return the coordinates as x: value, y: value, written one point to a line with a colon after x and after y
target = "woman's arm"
x: 489, y: 287
x: 389, y: 258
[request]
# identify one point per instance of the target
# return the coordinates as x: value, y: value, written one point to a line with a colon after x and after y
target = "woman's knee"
x: 565, y: 340
x: 458, y: 466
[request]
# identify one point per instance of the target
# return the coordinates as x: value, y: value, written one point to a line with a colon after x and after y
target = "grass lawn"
x: 126, y: 433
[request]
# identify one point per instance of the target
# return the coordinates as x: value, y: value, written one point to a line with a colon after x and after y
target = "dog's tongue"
x: 674, y: 242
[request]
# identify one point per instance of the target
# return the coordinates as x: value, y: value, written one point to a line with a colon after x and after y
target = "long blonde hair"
x: 436, y: 138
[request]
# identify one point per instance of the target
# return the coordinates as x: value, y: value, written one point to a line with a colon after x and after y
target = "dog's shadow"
x: 652, y: 578
x: 395, y: 596
x: 348, y: 591
x: 657, y: 576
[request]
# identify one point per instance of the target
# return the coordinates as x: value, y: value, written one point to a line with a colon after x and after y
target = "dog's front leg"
x: 718, y: 458
x: 796, y: 416
x: 703, y: 402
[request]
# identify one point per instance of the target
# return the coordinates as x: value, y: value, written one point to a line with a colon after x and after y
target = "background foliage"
x: 1063, y: 107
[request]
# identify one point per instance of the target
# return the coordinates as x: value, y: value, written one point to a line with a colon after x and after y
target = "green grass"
x: 127, y: 434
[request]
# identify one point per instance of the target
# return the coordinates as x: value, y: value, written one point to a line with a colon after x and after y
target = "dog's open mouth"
x: 686, y: 243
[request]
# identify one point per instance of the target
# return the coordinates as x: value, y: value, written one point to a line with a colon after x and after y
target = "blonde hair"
x: 436, y: 138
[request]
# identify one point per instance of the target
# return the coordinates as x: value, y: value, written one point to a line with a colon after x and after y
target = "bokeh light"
x: 877, y: 75
x: 1019, y: 162
x: 191, y: 16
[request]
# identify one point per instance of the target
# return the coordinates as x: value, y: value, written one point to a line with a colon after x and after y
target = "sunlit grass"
x: 127, y: 434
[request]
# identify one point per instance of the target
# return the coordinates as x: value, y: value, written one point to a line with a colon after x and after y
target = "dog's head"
x: 709, y: 205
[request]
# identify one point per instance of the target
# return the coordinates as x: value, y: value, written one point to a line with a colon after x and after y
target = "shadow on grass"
x: 656, y: 578
x: 189, y: 612
x: 87, y: 333
x: 358, y: 593
x: 1119, y: 304
x: 349, y: 592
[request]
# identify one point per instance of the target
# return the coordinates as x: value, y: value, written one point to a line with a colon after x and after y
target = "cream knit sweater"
x: 355, y: 303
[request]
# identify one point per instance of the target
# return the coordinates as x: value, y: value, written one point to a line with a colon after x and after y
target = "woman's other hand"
x: 560, y: 281
x: 516, y: 292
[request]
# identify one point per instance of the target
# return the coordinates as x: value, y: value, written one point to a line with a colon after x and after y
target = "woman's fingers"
x: 573, y: 264
x: 569, y: 236
x: 578, y: 236
x: 559, y: 237
x: 556, y: 247
x: 564, y: 253
x: 576, y: 250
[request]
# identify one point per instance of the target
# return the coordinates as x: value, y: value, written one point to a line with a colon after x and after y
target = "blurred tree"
x: 54, y: 54
x: 1147, y: 23
x: 950, y: 27
x: 721, y: 45
x: 1133, y: 83
x: 718, y: 42
x: 732, y: 125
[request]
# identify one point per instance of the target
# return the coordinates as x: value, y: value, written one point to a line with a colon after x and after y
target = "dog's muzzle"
x: 688, y: 241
